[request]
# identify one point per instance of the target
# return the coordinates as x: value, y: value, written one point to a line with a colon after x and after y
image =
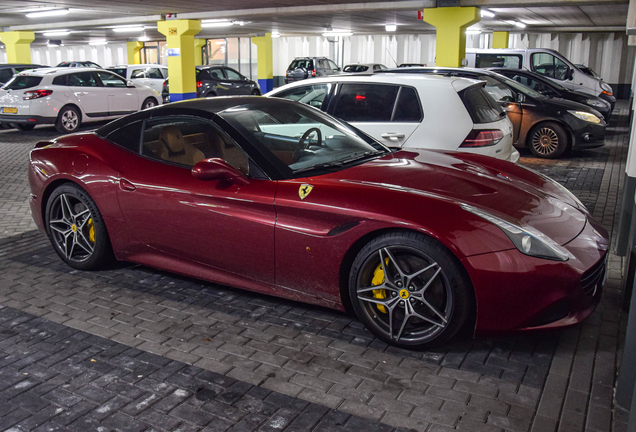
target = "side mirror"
x: 521, y: 97
x: 569, y: 74
x: 130, y: 84
x: 218, y: 169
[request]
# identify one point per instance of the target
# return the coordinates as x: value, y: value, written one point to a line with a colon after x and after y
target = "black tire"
x: 256, y: 93
x: 69, y: 214
x: 149, y: 103
x: 548, y: 140
x: 25, y: 127
x: 69, y: 120
x: 441, y: 296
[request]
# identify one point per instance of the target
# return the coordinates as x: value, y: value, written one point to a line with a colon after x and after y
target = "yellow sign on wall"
x: 172, y: 31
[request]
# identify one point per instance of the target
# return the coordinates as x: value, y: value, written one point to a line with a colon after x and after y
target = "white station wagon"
x: 67, y: 97
x: 404, y: 110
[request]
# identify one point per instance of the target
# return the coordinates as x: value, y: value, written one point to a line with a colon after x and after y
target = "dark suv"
x: 309, y: 67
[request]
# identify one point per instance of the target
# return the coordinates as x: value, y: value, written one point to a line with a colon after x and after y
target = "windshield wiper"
x: 340, y: 163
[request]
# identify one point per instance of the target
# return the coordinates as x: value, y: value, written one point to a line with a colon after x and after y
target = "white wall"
x: 104, y: 55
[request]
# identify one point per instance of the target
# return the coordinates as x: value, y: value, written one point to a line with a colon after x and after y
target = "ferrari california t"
x: 275, y: 196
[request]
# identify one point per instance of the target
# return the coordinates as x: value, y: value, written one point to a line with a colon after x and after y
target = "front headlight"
x: 585, y: 116
x: 596, y: 103
x: 527, y: 240
x: 605, y: 86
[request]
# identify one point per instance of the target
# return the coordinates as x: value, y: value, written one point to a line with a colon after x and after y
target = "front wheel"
x: 409, y: 290
x: 68, y: 120
x: 256, y: 93
x: 76, y: 229
x: 548, y: 140
x: 149, y: 103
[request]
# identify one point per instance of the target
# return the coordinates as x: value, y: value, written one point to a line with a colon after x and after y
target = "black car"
x: 310, y: 67
x: 547, y: 126
x: 223, y: 81
x: 552, y: 89
x: 8, y: 70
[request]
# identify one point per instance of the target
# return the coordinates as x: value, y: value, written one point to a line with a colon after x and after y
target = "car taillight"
x: 199, y: 84
x: 36, y: 94
x: 482, y: 138
x: 313, y: 72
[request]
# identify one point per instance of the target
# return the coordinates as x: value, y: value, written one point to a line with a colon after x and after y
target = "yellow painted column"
x: 451, y: 23
x: 500, y: 39
x: 134, y: 52
x: 18, y: 45
x: 265, y: 62
x: 180, y: 43
x: 198, y: 57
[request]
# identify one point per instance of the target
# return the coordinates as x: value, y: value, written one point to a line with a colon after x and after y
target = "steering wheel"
x: 306, y: 135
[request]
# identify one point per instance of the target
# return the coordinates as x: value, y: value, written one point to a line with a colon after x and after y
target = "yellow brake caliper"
x: 378, y: 279
x: 91, y: 230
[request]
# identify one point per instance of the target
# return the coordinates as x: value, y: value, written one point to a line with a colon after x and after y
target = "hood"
x: 573, y: 106
x: 501, y: 188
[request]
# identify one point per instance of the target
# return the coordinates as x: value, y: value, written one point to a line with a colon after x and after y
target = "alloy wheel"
x: 71, y: 227
x: 70, y: 120
x: 545, y: 141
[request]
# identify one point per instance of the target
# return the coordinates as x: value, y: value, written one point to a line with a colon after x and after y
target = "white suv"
x: 150, y: 75
x: 404, y: 110
x: 67, y: 97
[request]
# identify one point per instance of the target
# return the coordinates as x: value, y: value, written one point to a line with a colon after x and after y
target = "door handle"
x: 125, y: 185
x: 392, y: 136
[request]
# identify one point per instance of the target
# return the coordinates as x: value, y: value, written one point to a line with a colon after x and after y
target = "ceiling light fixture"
x: 128, y: 29
x: 217, y: 24
x: 519, y: 24
x: 473, y: 32
x: 275, y: 34
x: 487, y: 13
x: 338, y: 33
x: 390, y: 27
x: 49, y: 13
x: 56, y: 33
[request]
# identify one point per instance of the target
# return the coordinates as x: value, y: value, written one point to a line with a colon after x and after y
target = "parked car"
x: 418, y: 243
x: 67, y: 98
x: 550, y: 88
x: 543, y: 61
x: 310, y: 67
x: 7, y: 70
x: 218, y: 81
x: 548, y: 127
x: 412, y: 111
x: 358, y: 68
x: 411, y: 65
x: 150, y: 75
x: 79, y: 64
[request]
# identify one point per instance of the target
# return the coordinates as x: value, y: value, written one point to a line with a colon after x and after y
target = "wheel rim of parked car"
x: 149, y: 104
x: 545, y: 141
x: 414, y: 303
x: 69, y: 119
x: 71, y: 226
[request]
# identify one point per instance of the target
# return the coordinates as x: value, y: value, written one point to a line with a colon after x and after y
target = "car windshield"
x: 355, y: 68
x: 302, y: 63
x: 299, y: 139
x: 21, y: 82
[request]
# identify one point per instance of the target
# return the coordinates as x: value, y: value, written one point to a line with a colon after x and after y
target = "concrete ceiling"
x: 92, y: 21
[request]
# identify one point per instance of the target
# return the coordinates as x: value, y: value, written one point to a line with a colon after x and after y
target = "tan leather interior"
x: 174, y: 148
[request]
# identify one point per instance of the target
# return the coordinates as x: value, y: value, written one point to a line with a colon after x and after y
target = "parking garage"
x: 132, y: 347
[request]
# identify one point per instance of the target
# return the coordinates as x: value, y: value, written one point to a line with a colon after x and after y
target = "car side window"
x: 497, y: 90
x: 549, y: 65
x: 332, y: 65
x: 365, y: 102
x: 128, y: 137
x: 216, y: 74
x: 119, y: 71
x: 138, y: 73
x: 5, y: 74
x: 82, y: 79
x: 313, y: 95
x: 408, y: 107
x: 186, y: 141
x: 111, y: 80
x: 233, y: 75
x: 154, y: 73
x: 510, y: 61
x: 60, y: 80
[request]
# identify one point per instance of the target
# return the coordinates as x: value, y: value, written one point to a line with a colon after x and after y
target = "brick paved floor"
x: 167, y: 348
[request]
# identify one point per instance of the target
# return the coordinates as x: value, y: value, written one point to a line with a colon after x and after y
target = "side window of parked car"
x: 111, y: 80
x: 82, y: 79
x: 138, y: 73
x: 60, y: 80
x: 186, y: 141
x: 333, y: 66
x: 313, y: 95
x: 154, y: 73
x: 511, y: 61
x: 365, y: 102
x: 128, y: 137
x: 5, y: 74
x: 408, y: 107
x: 497, y: 90
x: 549, y: 65
x: 233, y: 75
x: 216, y: 74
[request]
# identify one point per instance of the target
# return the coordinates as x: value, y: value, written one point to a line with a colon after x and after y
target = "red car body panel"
x: 262, y: 236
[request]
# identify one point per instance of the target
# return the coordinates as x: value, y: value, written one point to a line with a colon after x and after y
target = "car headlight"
x: 565, y: 191
x: 527, y: 240
x: 605, y: 86
x: 585, y: 116
x: 595, y: 103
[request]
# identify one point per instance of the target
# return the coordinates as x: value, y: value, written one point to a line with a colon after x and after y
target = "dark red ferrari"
x: 274, y: 196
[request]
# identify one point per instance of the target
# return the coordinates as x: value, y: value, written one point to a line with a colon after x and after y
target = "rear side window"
x: 511, y: 61
x: 313, y: 95
x: 128, y: 137
x: 5, y: 74
x: 23, y: 82
x: 154, y: 73
x: 408, y: 107
x: 365, y: 102
x: 119, y: 71
x: 60, y: 80
x: 137, y: 73
x: 480, y: 105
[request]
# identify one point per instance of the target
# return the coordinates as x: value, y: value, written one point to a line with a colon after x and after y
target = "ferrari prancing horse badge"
x: 304, y: 190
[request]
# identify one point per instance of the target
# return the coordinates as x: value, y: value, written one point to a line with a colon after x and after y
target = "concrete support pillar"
x: 134, y: 52
x: 265, y: 62
x: 451, y: 24
x: 180, y: 43
x: 500, y: 39
x: 198, y: 56
x: 18, y: 45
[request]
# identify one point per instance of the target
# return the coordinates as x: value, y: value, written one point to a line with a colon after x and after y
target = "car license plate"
x: 9, y: 110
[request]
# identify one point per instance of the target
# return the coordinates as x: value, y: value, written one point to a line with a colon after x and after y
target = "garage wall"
x: 104, y: 55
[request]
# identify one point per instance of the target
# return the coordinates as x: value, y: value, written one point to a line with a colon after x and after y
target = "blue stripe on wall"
x: 266, y: 85
x: 174, y: 97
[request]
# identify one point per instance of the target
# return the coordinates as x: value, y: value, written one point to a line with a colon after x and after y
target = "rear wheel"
x: 256, y: 93
x: 25, y: 127
x: 68, y: 120
x: 548, y: 140
x: 149, y: 103
x: 76, y: 229
x: 409, y: 290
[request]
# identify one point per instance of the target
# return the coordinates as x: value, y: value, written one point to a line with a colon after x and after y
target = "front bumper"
x: 518, y: 292
x: 588, y: 135
x: 26, y: 119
